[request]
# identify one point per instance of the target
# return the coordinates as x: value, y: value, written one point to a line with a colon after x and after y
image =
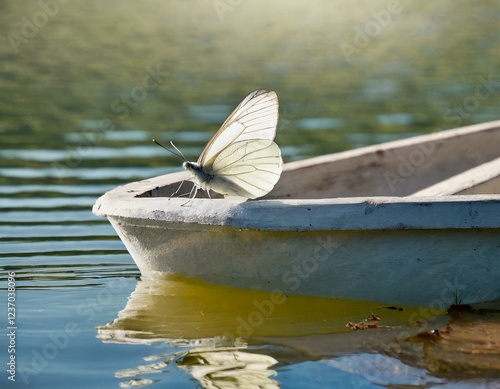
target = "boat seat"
x: 482, y: 179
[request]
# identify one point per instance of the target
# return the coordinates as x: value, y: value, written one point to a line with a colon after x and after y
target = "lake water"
x: 86, y: 85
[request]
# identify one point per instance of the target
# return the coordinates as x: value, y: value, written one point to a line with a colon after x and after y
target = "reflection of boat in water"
x: 174, y: 309
x: 207, y: 323
x: 203, y: 325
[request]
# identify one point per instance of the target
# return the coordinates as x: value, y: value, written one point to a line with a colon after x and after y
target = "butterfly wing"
x: 248, y: 168
x: 256, y: 117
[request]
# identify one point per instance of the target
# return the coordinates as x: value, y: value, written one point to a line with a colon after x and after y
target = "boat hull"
x: 435, y: 268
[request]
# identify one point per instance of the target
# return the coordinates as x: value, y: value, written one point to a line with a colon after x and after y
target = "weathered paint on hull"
x: 434, y: 268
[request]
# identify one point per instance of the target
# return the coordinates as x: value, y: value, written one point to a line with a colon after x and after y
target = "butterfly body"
x: 242, y: 158
x: 200, y: 178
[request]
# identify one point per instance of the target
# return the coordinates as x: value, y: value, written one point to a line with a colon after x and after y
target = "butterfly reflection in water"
x: 242, y: 158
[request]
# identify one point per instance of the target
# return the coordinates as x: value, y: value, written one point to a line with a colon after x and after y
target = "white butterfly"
x: 242, y: 158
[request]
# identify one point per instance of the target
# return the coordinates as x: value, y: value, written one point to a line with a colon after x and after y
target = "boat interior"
x: 461, y: 161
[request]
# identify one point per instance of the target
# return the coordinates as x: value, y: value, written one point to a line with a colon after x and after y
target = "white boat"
x: 413, y: 222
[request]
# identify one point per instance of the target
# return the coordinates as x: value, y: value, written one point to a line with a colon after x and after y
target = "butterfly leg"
x: 193, y: 192
x: 192, y: 195
x: 177, y: 191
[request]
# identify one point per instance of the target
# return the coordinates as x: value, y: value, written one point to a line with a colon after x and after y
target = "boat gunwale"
x: 353, y: 213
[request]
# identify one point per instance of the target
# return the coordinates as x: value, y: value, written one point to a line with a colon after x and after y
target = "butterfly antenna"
x: 182, y: 155
x: 178, y: 154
